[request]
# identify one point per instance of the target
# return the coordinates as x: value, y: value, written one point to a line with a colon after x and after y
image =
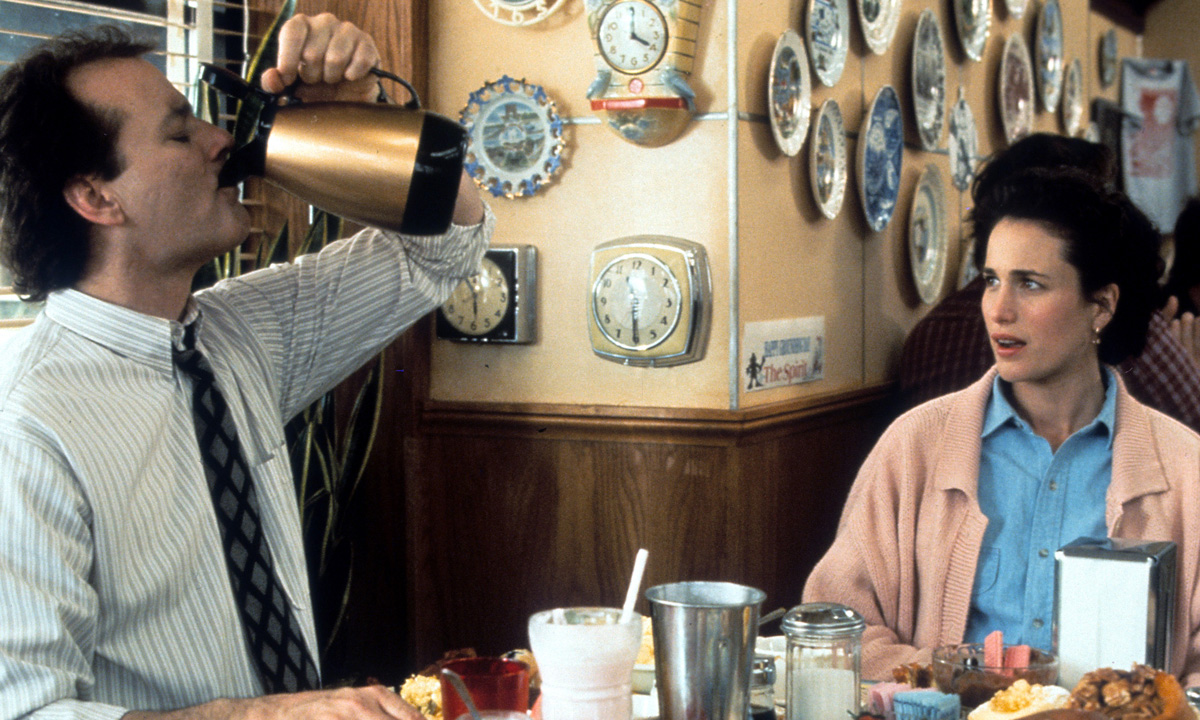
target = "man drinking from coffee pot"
x: 150, y: 549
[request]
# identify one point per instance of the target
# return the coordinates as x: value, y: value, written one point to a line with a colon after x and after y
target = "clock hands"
x: 632, y: 31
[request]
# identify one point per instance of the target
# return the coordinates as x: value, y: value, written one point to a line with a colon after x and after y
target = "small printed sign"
x: 783, y: 352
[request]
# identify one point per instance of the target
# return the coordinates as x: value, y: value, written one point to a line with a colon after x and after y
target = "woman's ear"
x: 1105, y: 300
x: 89, y: 197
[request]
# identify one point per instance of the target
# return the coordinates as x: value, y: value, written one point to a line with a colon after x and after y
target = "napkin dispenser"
x: 1114, y: 605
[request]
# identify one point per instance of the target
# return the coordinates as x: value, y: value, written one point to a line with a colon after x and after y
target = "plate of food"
x: 789, y: 93
x: 929, y: 79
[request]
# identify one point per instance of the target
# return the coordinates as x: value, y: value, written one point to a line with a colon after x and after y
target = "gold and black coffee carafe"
x: 395, y: 167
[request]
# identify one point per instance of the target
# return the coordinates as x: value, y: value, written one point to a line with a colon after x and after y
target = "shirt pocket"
x: 987, y: 571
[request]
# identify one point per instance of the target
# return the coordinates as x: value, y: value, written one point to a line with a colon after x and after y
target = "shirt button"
x: 1037, y: 622
x: 1043, y: 553
x: 1053, y: 485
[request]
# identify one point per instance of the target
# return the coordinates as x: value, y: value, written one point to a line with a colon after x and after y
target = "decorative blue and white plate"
x: 828, y: 32
x: 1048, y: 53
x: 927, y: 249
x: 879, y: 19
x: 789, y: 93
x: 514, y: 137
x: 880, y: 156
x: 1016, y: 89
x: 827, y: 159
x: 929, y: 79
x: 1108, y: 58
x: 964, y: 143
x: 973, y: 19
x: 1072, y: 101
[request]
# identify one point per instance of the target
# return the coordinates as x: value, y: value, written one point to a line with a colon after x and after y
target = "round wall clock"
x: 927, y: 248
x: 789, y: 93
x: 879, y: 19
x: 828, y: 32
x: 1016, y: 89
x: 643, y: 51
x: 518, y: 12
x: 498, y: 303
x: 964, y: 143
x: 929, y: 80
x: 880, y: 155
x: 514, y: 137
x: 1108, y: 58
x: 827, y: 159
x: 1048, y: 52
x: 649, y: 301
x: 1072, y: 102
x: 973, y: 18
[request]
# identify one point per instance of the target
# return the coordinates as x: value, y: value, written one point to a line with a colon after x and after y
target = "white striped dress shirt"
x: 114, y: 594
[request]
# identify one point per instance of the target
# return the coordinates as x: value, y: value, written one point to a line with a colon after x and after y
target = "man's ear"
x: 89, y: 196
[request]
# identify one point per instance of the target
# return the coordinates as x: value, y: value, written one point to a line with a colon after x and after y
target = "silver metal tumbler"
x: 704, y: 635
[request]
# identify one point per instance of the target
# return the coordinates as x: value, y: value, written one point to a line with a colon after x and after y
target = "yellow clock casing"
x: 644, y: 51
x: 497, y: 304
x: 649, y: 301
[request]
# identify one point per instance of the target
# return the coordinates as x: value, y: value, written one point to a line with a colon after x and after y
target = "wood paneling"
x: 516, y: 509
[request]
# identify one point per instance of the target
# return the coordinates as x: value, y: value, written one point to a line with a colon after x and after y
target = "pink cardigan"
x: 908, y: 540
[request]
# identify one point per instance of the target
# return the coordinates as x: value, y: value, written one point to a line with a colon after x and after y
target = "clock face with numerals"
x: 650, y: 301
x: 636, y: 301
x: 497, y: 304
x: 480, y: 302
x: 632, y: 36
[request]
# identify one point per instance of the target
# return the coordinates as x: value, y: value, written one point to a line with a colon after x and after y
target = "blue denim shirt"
x: 1036, y: 501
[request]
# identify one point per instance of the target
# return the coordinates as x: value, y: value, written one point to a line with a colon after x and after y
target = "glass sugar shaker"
x: 762, y: 688
x: 824, y: 661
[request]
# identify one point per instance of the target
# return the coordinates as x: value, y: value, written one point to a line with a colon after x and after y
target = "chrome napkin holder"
x: 1114, y: 605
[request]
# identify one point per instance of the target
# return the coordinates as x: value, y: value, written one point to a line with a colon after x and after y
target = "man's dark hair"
x: 1107, y: 239
x: 47, y: 137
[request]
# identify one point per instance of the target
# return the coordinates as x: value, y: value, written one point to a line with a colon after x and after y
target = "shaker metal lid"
x: 821, y: 618
x: 762, y: 670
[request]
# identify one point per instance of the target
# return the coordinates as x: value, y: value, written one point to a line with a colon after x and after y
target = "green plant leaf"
x: 275, y: 251
x: 361, y: 429
x: 264, y: 57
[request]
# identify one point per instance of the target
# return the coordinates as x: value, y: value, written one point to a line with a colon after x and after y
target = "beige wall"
x: 789, y: 261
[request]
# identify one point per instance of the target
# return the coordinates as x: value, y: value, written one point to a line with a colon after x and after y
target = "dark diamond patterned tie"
x: 271, y: 630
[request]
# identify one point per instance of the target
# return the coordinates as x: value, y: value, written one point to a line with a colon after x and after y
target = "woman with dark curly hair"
x: 950, y: 529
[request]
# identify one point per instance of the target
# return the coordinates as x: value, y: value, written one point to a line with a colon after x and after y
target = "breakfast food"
x: 645, y: 654
x: 926, y: 705
x: 914, y: 674
x: 882, y: 698
x: 1142, y: 693
x: 425, y: 694
x: 1021, y: 699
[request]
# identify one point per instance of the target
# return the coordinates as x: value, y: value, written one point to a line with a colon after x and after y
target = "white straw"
x: 635, y: 582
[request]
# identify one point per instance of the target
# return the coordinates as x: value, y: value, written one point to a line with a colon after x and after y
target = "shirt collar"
x: 143, y: 338
x: 1000, y: 411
